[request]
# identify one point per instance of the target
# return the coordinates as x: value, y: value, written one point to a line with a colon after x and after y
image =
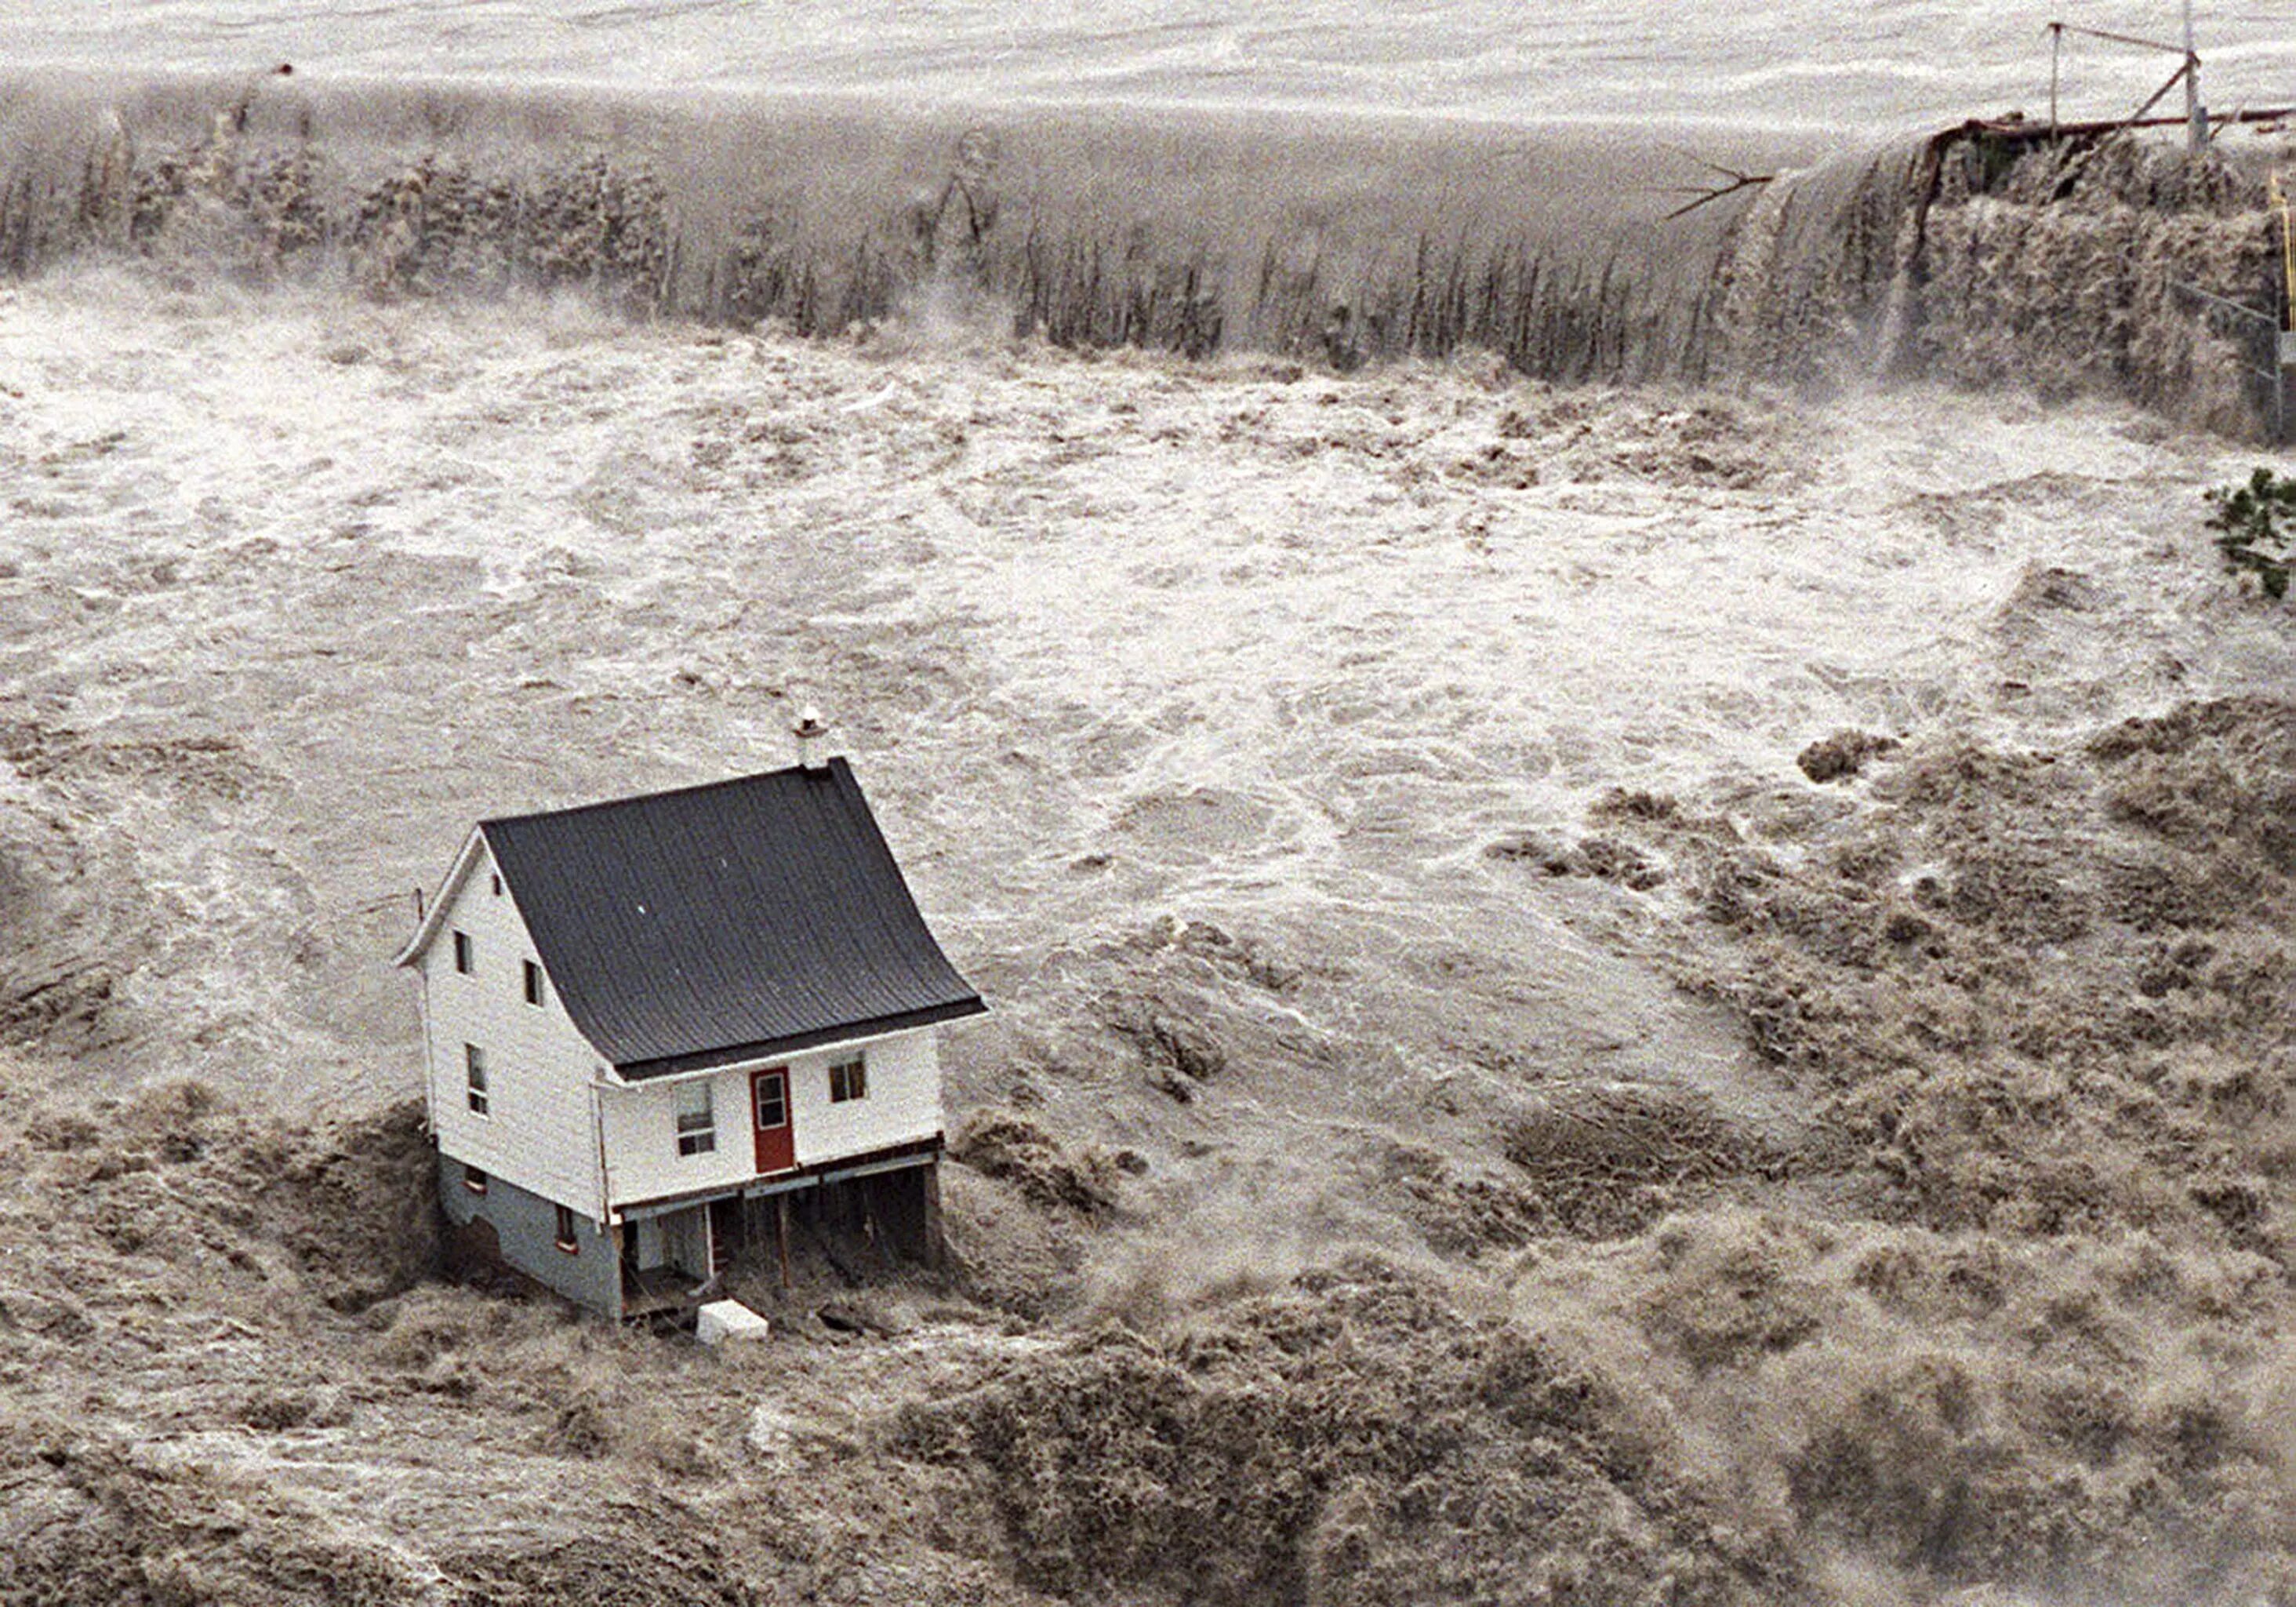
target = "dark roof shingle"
x: 746, y: 918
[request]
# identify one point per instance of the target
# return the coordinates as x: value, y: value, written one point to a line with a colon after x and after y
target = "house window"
x: 849, y: 1079
x: 474, y: 1074
x: 697, y: 1125
x: 533, y: 983
x: 773, y: 1101
x: 474, y: 1180
x: 497, y: 885
x: 462, y: 952
x: 567, y: 1242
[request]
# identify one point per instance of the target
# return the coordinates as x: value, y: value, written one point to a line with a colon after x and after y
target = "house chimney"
x: 812, y: 752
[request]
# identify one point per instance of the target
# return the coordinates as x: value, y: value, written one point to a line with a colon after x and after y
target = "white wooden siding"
x: 641, y: 1128
x: 904, y: 1099
x: 641, y: 1122
x: 538, y: 1131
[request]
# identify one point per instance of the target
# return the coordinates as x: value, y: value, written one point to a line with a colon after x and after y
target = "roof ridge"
x: 835, y: 762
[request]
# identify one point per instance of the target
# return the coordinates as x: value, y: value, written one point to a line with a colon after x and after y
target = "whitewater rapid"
x: 1160, y: 492
x: 295, y: 589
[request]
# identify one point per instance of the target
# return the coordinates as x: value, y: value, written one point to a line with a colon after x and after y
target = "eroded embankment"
x: 1573, y: 253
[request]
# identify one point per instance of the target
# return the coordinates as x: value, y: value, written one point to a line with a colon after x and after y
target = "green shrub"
x: 2255, y: 521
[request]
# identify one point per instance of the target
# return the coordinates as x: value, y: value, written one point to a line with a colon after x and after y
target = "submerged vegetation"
x: 2256, y: 523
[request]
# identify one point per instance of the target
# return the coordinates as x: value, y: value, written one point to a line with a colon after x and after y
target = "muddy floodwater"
x: 1372, y: 804
x: 1634, y: 872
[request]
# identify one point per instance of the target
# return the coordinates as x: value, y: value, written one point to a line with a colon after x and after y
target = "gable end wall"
x: 538, y: 1133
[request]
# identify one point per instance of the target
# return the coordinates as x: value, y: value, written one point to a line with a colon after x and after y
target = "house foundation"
x: 884, y: 1219
x: 497, y: 1230
x: 867, y: 1216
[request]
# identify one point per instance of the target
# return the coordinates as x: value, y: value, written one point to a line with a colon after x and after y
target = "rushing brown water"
x: 1443, y: 1038
x: 1639, y: 954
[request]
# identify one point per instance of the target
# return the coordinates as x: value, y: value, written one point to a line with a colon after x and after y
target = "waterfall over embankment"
x: 1577, y: 252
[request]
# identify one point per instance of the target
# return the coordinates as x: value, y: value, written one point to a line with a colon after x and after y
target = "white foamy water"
x: 299, y: 580
x: 1896, y: 64
x: 320, y: 538
x: 295, y: 587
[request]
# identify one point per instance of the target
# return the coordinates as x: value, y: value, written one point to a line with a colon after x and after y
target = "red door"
x: 769, y: 1105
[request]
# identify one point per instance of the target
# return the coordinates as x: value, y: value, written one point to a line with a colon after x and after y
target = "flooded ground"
x: 1673, y: 994
x: 1476, y: 1100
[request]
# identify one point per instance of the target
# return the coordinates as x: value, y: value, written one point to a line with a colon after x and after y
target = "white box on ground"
x: 721, y: 1320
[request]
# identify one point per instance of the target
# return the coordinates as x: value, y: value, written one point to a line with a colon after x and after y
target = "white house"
x: 651, y: 1024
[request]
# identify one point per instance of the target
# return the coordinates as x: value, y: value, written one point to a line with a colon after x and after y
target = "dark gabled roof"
x: 724, y: 922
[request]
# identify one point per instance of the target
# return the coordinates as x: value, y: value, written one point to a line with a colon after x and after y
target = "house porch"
x: 676, y: 1252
